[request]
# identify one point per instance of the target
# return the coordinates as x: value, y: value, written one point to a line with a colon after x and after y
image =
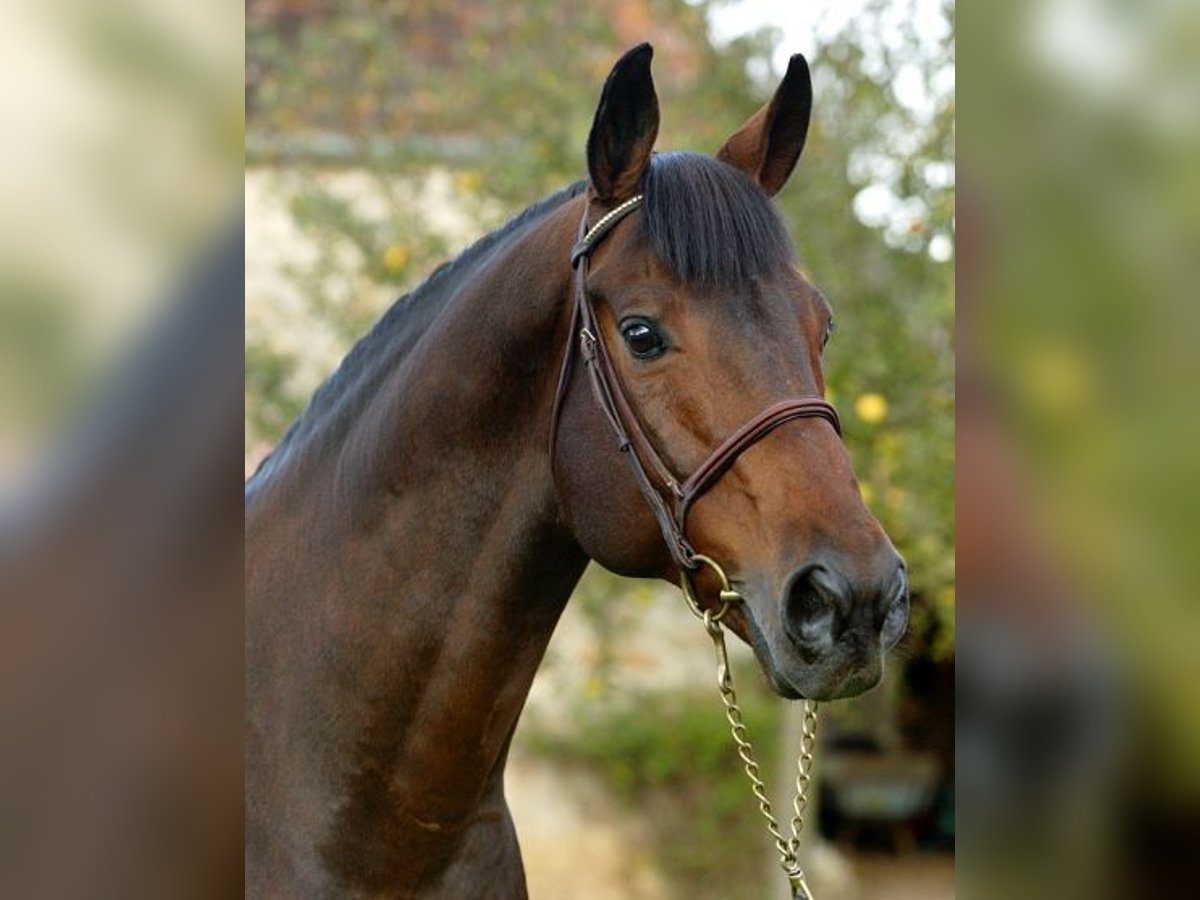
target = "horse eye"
x: 829, y: 330
x: 642, y: 339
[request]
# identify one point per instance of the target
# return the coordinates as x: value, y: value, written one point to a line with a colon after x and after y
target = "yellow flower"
x: 593, y: 687
x: 1057, y: 378
x: 871, y: 408
x: 868, y: 492
x: 468, y: 180
x: 396, y: 257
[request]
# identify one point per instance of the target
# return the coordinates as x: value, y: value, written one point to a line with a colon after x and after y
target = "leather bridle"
x: 670, y: 498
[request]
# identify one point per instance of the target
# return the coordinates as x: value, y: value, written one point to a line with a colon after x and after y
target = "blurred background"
x: 121, y: 280
x: 1078, y: 723
x: 382, y: 138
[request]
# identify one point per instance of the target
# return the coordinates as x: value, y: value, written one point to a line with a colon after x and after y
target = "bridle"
x: 671, y: 498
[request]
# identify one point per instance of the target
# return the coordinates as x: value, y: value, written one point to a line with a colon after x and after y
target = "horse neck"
x: 400, y: 644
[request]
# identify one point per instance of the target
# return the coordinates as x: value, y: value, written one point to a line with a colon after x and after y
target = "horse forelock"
x: 710, y: 224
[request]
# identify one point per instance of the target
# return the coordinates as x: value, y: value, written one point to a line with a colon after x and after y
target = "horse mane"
x: 709, y: 223
x: 405, y: 320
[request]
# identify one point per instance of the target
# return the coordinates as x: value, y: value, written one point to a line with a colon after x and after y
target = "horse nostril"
x: 893, y: 609
x: 814, y: 600
x: 820, y: 603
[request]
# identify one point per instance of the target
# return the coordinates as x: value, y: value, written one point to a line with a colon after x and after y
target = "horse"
x: 413, y: 539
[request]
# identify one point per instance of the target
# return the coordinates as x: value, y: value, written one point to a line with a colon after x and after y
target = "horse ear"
x: 767, y: 147
x: 625, y: 127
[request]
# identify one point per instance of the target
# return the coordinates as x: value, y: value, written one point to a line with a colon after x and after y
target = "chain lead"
x: 789, y: 846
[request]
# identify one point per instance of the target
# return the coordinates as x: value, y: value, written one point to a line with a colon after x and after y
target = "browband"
x: 670, y: 508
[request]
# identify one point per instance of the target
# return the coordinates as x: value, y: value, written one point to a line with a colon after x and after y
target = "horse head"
x: 704, y: 321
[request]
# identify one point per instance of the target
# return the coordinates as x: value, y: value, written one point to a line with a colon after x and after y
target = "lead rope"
x: 788, y: 846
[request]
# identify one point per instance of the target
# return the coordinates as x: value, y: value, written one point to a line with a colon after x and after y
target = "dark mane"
x: 404, y: 321
x: 710, y: 223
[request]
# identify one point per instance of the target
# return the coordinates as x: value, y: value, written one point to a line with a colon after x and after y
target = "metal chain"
x: 789, y: 846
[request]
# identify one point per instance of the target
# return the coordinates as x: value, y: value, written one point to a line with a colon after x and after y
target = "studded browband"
x: 670, y: 499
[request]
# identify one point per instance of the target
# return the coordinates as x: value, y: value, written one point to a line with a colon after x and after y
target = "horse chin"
x: 783, y: 688
x: 816, y: 687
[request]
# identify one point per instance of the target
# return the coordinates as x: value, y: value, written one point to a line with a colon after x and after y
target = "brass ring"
x: 727, y: 594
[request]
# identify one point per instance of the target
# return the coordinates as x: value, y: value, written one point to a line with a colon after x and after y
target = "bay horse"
x: 412, y: 541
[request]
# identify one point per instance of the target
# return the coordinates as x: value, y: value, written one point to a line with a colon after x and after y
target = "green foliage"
x: 270, y: 406
x: 609, y: 605
x: 672, y: 754
x: 36, y: 335
x: 383, y: 252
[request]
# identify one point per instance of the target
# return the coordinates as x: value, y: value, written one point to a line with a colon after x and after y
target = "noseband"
x: 670, y: 498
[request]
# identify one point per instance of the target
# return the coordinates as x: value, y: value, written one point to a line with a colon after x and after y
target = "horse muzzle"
x: 832, y: 626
